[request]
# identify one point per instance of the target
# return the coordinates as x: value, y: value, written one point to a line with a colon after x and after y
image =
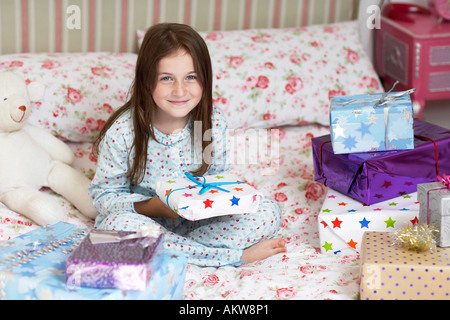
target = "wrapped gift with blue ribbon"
x: 375, y: 122
x: 202, y: 197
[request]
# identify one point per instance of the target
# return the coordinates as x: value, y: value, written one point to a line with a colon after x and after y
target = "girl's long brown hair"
x: 160, y: 41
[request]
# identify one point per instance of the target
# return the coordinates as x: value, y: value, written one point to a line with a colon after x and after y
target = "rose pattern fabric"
x: 275, y: 77
x: 269, y: 78
x: 301, y: 273
x: 82, y: 89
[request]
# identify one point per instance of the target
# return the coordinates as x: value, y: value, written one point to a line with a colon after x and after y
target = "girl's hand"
x: 155, y: 208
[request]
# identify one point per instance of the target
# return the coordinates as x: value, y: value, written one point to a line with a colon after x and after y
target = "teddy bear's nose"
x: 23, y: 108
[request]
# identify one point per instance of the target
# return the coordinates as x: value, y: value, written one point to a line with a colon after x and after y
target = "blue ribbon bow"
x: 208, y: 186
x: 205, y: 187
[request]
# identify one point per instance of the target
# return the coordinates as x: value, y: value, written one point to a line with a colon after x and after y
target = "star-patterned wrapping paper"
x: 32, y: 267
x: 183, y: 196
x: 359, y: 125
x: 342, y: 220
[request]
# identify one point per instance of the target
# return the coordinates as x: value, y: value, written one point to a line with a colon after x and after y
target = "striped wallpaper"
x: 110, y: 25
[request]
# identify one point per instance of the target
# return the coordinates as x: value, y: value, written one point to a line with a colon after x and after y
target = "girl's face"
x: 177, y: 92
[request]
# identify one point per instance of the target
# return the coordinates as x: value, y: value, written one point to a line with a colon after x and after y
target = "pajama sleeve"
x: 110, y: 188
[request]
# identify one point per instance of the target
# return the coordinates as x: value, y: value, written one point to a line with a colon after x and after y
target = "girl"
x: 149, y: 139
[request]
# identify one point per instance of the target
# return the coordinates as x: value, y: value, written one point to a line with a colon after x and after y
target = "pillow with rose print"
x: 82, y: 89
x: 274, y: 77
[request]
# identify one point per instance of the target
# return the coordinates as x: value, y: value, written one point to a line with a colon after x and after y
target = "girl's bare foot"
x: 263, y: 250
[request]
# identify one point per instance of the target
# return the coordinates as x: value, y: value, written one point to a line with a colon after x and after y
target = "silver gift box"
x: 438, y: 206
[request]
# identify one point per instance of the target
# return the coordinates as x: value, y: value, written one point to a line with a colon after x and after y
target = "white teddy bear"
x: 32, y: 158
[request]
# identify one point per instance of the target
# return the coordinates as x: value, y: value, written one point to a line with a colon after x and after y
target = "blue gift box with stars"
x: 375, y: 122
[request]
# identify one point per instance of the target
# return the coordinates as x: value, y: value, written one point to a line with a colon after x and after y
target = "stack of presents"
x: 385, y: 171
x: 65, y: 261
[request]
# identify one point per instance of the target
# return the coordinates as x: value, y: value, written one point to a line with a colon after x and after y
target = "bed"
x: 276, y: 72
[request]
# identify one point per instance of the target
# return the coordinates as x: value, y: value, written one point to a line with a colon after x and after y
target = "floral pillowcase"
x: 262, y: 78
x: 82, y: 89
x: 273, y: 77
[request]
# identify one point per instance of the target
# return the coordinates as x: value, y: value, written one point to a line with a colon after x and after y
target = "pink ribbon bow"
x: 445, y: 180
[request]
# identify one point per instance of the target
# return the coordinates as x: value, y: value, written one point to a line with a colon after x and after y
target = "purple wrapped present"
x: 373, y: 177
x: 114, y: 259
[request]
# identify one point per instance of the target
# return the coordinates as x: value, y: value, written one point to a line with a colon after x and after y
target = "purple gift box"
x: 113, y: 259
x: 372, y: 177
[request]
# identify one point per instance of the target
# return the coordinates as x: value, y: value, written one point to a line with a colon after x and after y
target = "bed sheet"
x: 302, y: 272
x: 285, y: 172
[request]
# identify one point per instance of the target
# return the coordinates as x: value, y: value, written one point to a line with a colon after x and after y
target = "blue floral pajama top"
x: 210, y: 242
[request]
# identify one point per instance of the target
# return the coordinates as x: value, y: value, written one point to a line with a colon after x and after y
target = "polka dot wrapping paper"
x: 389, y: 272
x: 203, y: 197
x: 342, y: 220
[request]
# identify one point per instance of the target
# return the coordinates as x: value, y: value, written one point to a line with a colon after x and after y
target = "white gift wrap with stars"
x: 342, y: 220
x: 202, y: 197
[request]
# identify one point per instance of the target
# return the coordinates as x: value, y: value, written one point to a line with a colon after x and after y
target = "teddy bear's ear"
x: 36, y: 90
